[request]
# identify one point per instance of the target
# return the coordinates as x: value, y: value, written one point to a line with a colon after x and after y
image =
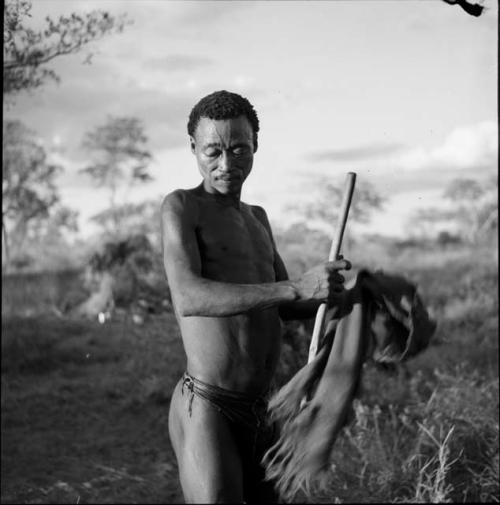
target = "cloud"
x: 196, y: 14
x: 74, y: 107
x: 177, y: 62
x: 469, y: 147
x: 355, y: 153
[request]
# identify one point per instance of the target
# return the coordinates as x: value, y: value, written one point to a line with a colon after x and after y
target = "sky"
x: 404, y: 93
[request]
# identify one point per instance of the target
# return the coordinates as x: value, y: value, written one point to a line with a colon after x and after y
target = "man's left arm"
x: 290, y: 310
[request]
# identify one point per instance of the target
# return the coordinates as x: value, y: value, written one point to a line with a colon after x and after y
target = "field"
x: 84, y: 405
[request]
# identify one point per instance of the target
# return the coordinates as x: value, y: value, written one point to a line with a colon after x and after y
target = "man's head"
x: 223, y: 105
x: 223, y: 129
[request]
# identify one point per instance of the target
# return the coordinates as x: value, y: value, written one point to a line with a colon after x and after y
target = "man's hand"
x: 323, y: 282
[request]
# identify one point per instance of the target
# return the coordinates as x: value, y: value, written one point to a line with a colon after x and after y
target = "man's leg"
x: 256, y: 488
x: 209, y: 465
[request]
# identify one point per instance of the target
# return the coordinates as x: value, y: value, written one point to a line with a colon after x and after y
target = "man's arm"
x: 194, y: 295
x: 291, y: 310
x: 297, y: 309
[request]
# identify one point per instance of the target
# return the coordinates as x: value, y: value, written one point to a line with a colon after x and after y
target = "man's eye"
x: 212, y: 153
x: 239, y: 151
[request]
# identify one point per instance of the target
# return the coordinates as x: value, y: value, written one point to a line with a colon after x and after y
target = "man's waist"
x: 195, y: 383
x: 239, y: 382
x: 242, y: 408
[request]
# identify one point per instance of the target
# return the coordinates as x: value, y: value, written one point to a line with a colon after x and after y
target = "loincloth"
x: 239, y: 408
x: 250, y: 426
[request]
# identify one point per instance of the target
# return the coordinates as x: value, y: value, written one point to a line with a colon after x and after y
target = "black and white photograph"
x: 250, y: 251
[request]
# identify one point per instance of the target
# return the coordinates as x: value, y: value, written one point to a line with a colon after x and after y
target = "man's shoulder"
x: 260, y: 214
x: 179, y: 201
x: 258, y: 211
x: 181, y: 197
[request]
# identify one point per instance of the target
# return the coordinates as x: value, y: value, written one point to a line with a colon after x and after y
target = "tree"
x: 301, y: 246
x: 474, y: 208
x: 422, y: 221
x: 310, y: 235
x: 28, y: 183
x: 120, y: 158
x: 324, y: 208
x: 26, y: 51
x: 60, y: 222
x: 474, y: 9
x: 134, y: 218
x: 475, y: 205
x: 51, y: 242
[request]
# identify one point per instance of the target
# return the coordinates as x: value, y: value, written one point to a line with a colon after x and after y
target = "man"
x: 229, y: 288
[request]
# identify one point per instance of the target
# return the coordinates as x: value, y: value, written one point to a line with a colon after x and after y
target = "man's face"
x: 224, y: 151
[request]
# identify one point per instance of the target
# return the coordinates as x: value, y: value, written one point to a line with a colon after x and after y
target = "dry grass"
x: 84, y: 411
x: 84, y: 406
x: 429, y: 432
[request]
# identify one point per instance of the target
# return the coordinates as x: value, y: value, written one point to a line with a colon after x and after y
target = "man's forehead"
x: 224, y: 129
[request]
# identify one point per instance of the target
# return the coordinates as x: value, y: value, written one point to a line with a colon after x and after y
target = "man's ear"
x: 192, y: 144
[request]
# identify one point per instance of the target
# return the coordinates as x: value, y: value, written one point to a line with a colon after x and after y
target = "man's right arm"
x: 192, y: 294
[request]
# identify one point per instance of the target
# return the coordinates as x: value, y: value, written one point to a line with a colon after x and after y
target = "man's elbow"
x: 188, y: 310
x: 186, y: 305
x: 188, y: 302
x: 185, y: 294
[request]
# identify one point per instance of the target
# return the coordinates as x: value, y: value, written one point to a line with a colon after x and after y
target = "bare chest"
x: 234, y: 246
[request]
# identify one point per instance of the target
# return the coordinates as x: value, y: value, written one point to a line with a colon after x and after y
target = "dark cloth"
x: 251, y: 430
x: 381, y: 318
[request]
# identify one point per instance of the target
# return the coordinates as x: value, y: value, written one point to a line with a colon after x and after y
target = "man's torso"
x: 237, y: 352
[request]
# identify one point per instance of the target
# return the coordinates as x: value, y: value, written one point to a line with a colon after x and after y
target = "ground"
x: 85, y: 405
x: 85, y: 411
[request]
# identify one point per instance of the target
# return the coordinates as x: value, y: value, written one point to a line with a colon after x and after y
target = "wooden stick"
x: 334, y: 253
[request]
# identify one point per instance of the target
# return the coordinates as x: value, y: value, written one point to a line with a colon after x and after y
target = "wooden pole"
x: 334, y: 253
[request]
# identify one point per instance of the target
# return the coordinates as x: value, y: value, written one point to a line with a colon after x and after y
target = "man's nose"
x: 225, y: 162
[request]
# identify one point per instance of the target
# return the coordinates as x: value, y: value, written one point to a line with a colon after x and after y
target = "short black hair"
x: 223, y: 105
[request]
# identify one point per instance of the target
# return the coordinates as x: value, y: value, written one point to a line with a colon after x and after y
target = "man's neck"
x: 230, y: 200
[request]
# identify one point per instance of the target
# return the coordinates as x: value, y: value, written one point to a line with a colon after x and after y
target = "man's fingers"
x: 336, y: 277
x: 341, y: 264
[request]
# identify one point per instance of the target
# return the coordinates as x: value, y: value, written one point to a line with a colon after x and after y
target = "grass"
x: 429, y: 432
x: 84, y: 411
x: 84, y: 405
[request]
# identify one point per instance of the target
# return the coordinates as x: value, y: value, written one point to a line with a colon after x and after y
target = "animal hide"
x: 381, y: 318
